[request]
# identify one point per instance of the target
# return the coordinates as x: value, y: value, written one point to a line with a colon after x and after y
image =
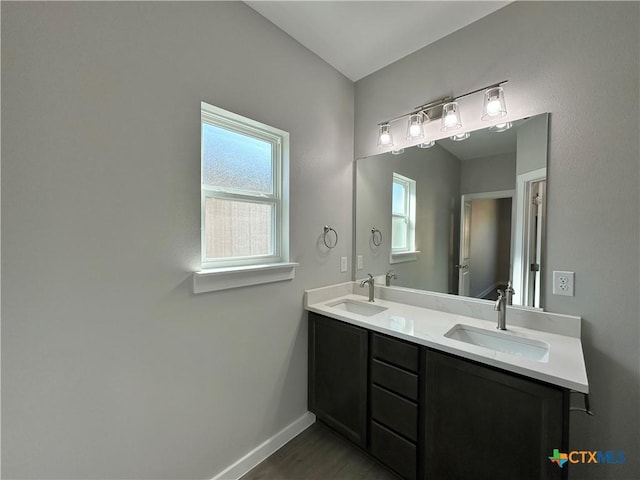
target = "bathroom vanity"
x: 406, y: 385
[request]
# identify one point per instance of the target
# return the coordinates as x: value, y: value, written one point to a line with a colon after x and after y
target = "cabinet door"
x: 338, y: 376
x: 482, y: 423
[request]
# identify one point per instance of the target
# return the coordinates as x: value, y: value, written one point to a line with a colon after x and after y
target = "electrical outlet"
x: 343, y: 264
x: 360, y: 262
x: 563, y: 283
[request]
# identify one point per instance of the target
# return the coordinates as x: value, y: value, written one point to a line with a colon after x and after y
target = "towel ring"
x: 376, y: 236
x: 328, y: 229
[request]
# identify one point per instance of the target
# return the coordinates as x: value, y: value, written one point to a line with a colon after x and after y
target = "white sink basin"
x: 501, y: 342
x: 361, y: 308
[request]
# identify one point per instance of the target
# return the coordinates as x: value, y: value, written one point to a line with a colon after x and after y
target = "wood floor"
x: 319, y: 454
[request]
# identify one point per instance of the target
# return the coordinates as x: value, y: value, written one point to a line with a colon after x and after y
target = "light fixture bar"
x: 433, y: 110
x: 434, y: 105
x: 499, y: 84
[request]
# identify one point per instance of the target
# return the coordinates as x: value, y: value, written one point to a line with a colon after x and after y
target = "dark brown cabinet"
x: 338, y: 356
x: 484, y: 423
x: 429, y: 415
x: 394, y: 404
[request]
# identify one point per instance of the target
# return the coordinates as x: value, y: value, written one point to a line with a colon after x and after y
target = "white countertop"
x: 565, y: 366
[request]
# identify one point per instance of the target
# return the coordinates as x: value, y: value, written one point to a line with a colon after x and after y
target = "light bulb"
x: 493, y: 107
x: 385, y: 139
x: 414, y: 127
x: 450, y: 119
x: 493, y: 104
x: 501, y: 127
x: 460, y: 137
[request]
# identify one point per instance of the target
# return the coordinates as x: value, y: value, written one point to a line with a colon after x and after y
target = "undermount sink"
x: 501, y: 342
x: 353, y: 306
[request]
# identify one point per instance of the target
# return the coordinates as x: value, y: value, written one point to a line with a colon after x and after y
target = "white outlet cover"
x: 343, y: 264
x: 360, y: 262
x: 563, y: 283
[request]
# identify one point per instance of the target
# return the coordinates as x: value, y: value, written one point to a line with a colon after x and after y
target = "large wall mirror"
x: 460, y: 217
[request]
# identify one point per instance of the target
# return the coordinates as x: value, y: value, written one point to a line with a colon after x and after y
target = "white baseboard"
x: 267, y: 448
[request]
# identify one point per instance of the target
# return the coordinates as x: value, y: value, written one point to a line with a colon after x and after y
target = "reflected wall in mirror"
x: 461, y: 217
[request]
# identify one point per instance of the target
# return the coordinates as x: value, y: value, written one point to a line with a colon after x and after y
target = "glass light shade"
x: 501, y: 127
x: 450, y: 117
x: 493, y: 105
x: 399, y: 151
x: 460, y: 137
x: 414, y: 126
x: 426, y: 144
x: 385, y: 139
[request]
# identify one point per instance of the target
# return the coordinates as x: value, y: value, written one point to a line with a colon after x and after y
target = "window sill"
x: 401, y: 257
x: 215, y: 279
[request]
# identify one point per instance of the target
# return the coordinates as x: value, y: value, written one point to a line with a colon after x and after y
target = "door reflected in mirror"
x: 460, y: 217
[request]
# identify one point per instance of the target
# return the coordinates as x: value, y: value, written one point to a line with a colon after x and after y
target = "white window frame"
x: 232, y: 272
x: 408, y: 252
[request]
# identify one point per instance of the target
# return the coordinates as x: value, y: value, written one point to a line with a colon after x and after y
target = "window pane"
x: 235, y: 161
x: 237, y: 229
x: 398, y: 232
x: 398, y: 203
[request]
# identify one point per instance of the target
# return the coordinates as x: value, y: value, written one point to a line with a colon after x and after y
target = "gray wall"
x: 578, y: 61
x: 111, y: 368
x: 437, y: 174
x: 488, y: 174
x: 503, y: 268
x: 484, y: 239
x: 373, y: 210
x: 485, y: 248
x: 531, y: 151
x: 437, y: 216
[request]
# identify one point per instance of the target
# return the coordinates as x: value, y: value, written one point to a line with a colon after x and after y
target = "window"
x: 244, y: 194
x: 403, y: 216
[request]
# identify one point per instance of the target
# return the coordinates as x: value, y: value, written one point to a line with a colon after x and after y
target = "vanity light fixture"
x: 385, y: 139
x: 460, y: 137
x: 399, y: 151
x: 493, y: 105
x: 426, y: 144
x: 414, y: 126
x: 446, y: 109
x: 501, y: 127
x: 450, y: 117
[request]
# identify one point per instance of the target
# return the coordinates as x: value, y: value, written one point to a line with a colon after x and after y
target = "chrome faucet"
x: 389, y: 276
x: 504, y: 298
x: 501, y: 308
x: 369, y: 281
x: 508, y: 292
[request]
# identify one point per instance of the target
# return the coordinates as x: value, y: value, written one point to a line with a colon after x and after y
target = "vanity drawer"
x: 394, y: 451
x: 395, y: 379
x: 395, y: 412
x: 396, y: 352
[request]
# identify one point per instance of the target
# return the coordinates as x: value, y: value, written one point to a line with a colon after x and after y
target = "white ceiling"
x: 360, y: 37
